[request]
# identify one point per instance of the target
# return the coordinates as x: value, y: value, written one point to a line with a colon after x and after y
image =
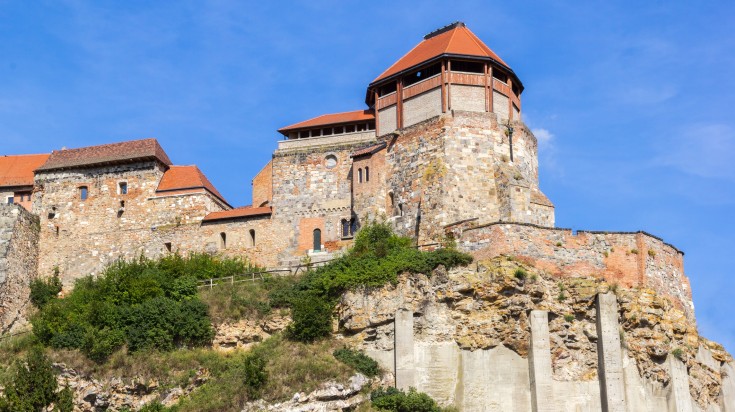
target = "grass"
x: 251, y: 300
x: 569, y: 317
x: 520, y: 274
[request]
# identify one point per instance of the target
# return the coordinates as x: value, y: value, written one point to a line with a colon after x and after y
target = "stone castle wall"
x: 370, y: 197
x: 81, y: 237
x: 19, y: 232
x: 263, y: 186
x: 629, y: 259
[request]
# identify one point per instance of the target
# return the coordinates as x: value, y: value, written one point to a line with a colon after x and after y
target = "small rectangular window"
x: 123, y: 188
x: 350, y: 128
x: 83, y: 193
x: 11, y: 200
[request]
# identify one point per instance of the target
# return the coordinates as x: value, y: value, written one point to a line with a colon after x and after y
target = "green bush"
x: 144, y: 304
x: 32, y: 386
x: 44, y: 290
x: 358, y: 360
x: 520, y: 274
x: 254, y: 373
x: 377, y: 257
x: 396, y: 400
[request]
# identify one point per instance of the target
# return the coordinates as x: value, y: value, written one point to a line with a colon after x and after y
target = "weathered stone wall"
x: 422, y: 107
x: 263, y: 186
x: 81, y: 237
x: 369, y: 198
x: 468, y: 98
x: 18, y: 264
x: 629, y: 259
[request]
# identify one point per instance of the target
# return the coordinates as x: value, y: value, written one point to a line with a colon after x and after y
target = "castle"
x: 440, y: 151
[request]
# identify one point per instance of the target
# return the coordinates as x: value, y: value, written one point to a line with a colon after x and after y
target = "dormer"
x: 451, y: 69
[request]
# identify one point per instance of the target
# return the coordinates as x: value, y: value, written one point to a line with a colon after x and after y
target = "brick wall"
x: 263, y: 186
x: 421, y: 107
x: 468, y: 98
x: 387, y: 120
x: 500, y: 105
x: 18, y: 264
x: 629, y: 259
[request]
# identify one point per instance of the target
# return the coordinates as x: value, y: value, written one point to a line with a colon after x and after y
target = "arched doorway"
x: 317, y: 240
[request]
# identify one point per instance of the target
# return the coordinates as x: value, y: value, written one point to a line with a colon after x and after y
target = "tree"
x: 32, y: 386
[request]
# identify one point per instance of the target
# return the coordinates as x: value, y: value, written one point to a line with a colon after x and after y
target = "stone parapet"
x: 286, y: 146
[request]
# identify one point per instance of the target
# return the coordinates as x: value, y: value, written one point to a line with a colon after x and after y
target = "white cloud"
x: 705, y: 151
x: 543, y: 136
x: 547, y: 151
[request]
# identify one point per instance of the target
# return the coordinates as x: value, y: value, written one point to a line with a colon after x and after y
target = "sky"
x: 632, y: 102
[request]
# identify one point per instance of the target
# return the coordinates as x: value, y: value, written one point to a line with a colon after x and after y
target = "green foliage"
x: 568, y: 317
x: 520, y: 274
x: 44, y: 290
x: 154, y: 406
x: 252, y: 300
x: 377, y: 257
x: 253, y: 370
x: 651, y: 253
x: 396, y: 400
x: 32, y: 385
x: 678, y: 353
x: 144, y: 304
x: 358, y: 360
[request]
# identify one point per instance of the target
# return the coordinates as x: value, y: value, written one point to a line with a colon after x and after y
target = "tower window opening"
x: 327, y: 131
x: 339, y: 130
x: 303, y: 134
x: 345, y: 228
x: 367, y: 173
x: 361, y: 127
x: 83, y: 192
x: 316, y: 133
x: 498, y: 75
x: 422, y: 74
x: 359, y: 175
x: 123, y: 188
x: 252, y: 237
x: 467, y: 67
x: 400, y: 209
x: 317, y: 240
x: 371, y: 125
x: 387, y: 89
x: 223, y: 240
x: 350, y: 128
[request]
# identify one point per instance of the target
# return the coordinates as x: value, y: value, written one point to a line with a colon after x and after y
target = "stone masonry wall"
x: 263, y: 186
x: 81, y: 237
x: 18, y: 261
x: 370, y: 198
x: 629, y: 259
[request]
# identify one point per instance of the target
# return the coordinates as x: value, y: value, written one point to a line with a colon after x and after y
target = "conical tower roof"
x: 453, y: 40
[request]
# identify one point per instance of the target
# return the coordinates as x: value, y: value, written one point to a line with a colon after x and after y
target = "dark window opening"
x: 422, y: 74
x: 304, y: 134
x: 123, y: 188
x: 168, y: 246
x: 252, y: 237
x: 371, y: 125
x: 57, y: 231
x: 327, y: 131
x: 500, y: 76
x: 400, y: 209
x: 339, y: 130
x: 361, y: 127
x: 121, y: 209
x: 359, y: 175
x: 316, y: 133
x: 392, y: 202
x: 83, y: 192
x: 345, y: 228
x: 367, y: 173
x: 467, y: 67
x: 52, y: 213
x: 516, y: 89
x: 353, y: 226
x: 223, y: 240
x: 11, y: 200
x: 387, y: 89
x: 317, y: 240
x: 350, y: 128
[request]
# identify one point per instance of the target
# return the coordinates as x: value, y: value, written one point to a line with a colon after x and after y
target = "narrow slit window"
x: 359, y: 175
x: 367, y: 173
x: 123, y: 188
x: 345, y: 228
x: 252, y: 237
x: 223, y: 240
x: 83, y: 193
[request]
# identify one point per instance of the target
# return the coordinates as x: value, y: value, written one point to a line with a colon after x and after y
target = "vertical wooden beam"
x: 487, y: 100
x: 510, y: 98
x: 491, y: 90
x: 449, y: 85
x: 444, y: 86
x: 399, y: 104
x: 375, y: 108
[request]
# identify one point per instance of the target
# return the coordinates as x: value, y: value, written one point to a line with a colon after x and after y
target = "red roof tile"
x: 123, y: 152
x: 17, y: 170
x: 245, y: 211
x: 368, y: 150
x: 455, y: 39
x: 186, y: 177
x: 329, y: 119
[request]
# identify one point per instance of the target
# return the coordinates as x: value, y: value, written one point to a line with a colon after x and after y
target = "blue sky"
x: 632, y: 102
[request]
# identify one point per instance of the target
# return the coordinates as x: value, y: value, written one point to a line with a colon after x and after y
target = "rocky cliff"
x: 503, y: 335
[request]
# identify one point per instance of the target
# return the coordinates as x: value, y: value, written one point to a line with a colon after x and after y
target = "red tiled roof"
x: 122, y: 152
x: 368, y: 150
x: 186, y: 177
x: 328, y: 119
x: 245, y: 211
x: 17, y: 170
x: 455, y: 39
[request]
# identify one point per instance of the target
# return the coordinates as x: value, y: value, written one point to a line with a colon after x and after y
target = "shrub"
x: 254, y: 373
x: 520, y: 274
x: 651, y: 253
x: 569, y: 317
x: 44, y: 290
x: 377, y: 257
x: 678, y: 353
x: 634, y: 251
x: 396, y: 400
x: 144, y: 304
x: 32, y: 386
x: 358, y: 360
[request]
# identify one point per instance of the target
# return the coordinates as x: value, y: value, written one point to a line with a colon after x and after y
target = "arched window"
x: 223, y: 240
x: 392, y: 204
x: 359, y: 175
x: 400, y: 209
x: 367, y: 173
x: 317, y: 240
x: 252, y: 237
x: 345, y: 228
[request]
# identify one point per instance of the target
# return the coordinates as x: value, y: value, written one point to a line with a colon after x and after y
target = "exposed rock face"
x: 245, y: 333
x: 92, y: 395
x: 481, y: 314
x: 330, y: 396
